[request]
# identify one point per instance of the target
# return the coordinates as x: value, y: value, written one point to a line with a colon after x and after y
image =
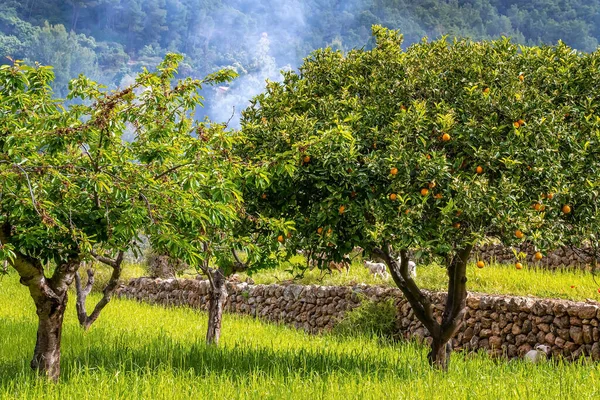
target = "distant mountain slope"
x: 111, y: 39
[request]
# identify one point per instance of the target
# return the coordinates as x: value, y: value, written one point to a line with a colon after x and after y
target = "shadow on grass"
x: 235, y: 361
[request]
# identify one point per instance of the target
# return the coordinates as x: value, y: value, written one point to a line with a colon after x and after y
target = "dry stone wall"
x: 559, y: 258
x: 500, y: 325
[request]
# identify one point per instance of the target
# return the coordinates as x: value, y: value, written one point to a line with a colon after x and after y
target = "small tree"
x: 433, y: 148
x: 72, y: 189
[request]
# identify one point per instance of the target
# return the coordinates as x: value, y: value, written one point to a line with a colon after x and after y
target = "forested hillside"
x: 110, y: 40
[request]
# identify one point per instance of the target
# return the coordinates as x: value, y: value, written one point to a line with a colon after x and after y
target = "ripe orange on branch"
x: 320, y: 230
x: 280, y: 238
x: 566, y: 209
x: 394, y: 171
x: 424, y: 192
x: 393, y: 196
x: 446, y: 137
x: 479, y: 169
x: 538, y: 256
x: 480, y: 264
x: 342, y: 209
x: 519, y: 234
x: 306, y: 159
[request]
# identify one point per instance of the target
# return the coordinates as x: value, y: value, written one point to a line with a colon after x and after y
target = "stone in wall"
x: 500, y: 325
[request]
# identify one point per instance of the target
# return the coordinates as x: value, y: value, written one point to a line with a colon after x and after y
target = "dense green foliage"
x: 143, y: 351
x: 114, y: 38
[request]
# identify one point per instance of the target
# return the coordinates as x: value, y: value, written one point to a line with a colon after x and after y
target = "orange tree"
x: 432, y: 148
x: 72, y: 188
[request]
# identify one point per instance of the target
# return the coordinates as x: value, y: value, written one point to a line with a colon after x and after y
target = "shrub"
x: 371, y: 318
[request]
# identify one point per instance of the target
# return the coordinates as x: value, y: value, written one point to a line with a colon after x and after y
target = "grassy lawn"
x: 147, y: 352
x: 493, y: 279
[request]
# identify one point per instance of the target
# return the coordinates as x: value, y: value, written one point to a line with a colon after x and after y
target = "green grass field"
x: 493, y: 279
x: 147, y: 352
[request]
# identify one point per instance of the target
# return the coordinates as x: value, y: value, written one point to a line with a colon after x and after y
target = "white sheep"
x: 377, y: 269
x: 412, y: 267
x: 538, y: 354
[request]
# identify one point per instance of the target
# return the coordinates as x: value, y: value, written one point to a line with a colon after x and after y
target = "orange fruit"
x: 479, y: 169
x: 424, y: 192
x: 566, y: 209
x: 537, y: 206
x: 280, y: 238
x: 320, y: 230
x: 407, y: 211
x: 431, y: 185
x: 342, y: 209
x: 456, y: 225
x: 329, y: 231
x: 550, y: 196
x: 289, y: 235
x: 486, y: 90
x: 519, y: 234
x: 393, y: 196
x: 394, y: 171
x: 516, y: 124
x: 428, y: 157
x: 480, y: 264
x: 521, y: 122
x: 306, y: 159
x: 521, y: 77
x: 519, y: 265
x: 263, y: 196
x: 438, y: 196
x: 538, y: 256
x: 446, y: 137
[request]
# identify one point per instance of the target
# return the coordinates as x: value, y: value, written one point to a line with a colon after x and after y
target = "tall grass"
x: 139, y: 351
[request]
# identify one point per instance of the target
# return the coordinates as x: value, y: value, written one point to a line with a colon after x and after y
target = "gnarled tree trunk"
x: 46, y: 356
x: 50, y: 298
x: 217, y: 298
x: 440, y: 331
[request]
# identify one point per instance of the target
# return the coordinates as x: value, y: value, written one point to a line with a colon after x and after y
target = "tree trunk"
x: 46, y: 356
x: 443, y: 331
x: 439, y: 355
x: 218, y: 296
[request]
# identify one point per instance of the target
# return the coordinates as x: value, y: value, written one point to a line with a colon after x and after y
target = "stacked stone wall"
x: 500, y: 325
x: 559, y: 258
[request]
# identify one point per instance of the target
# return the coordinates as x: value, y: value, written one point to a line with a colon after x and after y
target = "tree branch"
x: 419, y: 302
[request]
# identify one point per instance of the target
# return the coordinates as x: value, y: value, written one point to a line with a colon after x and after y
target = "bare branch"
x: 30, y: 188
x: 148, y: 207
x: 175, y: 168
